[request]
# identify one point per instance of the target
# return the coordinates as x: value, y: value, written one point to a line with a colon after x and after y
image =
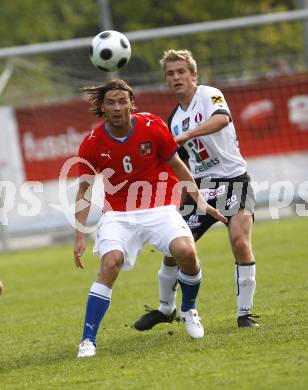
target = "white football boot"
x: 86, y: 349
x: 192, y: 323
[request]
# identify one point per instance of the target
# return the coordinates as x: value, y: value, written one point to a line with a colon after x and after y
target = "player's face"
x: 117, y: 107
x: 179, y: 78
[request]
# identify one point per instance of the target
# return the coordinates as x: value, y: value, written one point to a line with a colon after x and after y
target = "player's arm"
x: 82, y: 208
x: 215, y: 123
x: 184, y: 191
x: 184, y: 175
x: 184, y: 156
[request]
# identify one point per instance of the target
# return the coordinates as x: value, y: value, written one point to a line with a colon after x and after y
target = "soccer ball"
x: 110, y: 50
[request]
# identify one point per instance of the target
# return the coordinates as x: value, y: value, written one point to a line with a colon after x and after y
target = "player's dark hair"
x: 97, y: 93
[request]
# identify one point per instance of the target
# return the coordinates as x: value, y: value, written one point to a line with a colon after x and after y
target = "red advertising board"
x: 270, y: 116
x: 50, y: 134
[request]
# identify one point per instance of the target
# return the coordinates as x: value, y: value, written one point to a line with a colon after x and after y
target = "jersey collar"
x: 118, y: 139
x: 192, y: 101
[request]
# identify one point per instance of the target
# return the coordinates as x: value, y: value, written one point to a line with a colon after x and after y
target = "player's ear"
x: 134, y: 108
x: 194, y: 77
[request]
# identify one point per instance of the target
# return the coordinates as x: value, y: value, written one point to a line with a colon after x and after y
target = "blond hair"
x: 97, y: 93
x: 178, y: 55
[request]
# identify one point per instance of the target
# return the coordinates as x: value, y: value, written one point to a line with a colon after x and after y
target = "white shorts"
x: 129, y: 231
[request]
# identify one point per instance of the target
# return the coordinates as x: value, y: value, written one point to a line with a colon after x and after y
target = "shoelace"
x: 196, y: 319
x: 250, y: 316
x: 149, y: 309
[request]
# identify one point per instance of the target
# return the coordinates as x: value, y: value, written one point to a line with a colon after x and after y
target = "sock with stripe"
x: 97, y: 305
x: 190, y: 287
x: 245, y: 278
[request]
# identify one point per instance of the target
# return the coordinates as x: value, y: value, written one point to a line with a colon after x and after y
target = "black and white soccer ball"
x: 110, y: 50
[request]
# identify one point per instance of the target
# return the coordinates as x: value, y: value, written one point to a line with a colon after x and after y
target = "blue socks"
x: 190, y: 287
x: 100, y: 297
x: 97, y: 305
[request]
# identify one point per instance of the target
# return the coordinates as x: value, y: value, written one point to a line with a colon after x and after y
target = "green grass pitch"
x: 42, y: 310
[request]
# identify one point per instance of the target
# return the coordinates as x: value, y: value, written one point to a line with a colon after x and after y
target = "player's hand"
x: 204, y: 206
x: 79, y: 248
x: 181, y: 139
x: 216, y: 214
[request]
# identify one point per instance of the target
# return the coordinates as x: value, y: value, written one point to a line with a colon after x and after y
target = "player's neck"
x: 185, y: 98
x: 119, y: 131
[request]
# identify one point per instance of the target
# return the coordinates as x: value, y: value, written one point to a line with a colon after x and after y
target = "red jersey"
x: 135, y: 172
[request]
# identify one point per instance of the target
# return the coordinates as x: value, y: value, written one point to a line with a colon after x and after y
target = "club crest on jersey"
x: 217, y: 99
x: 145, y: 149
x: 185, y: 124
x: 198, y: 118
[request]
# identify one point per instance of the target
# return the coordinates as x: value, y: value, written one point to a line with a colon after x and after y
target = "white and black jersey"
x: 216, y: 155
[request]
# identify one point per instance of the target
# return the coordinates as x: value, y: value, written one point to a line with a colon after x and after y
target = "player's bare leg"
x: 240, y: 227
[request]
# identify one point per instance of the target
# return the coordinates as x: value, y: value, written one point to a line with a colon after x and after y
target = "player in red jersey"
x: 137, y: 156
x: 124, y: 163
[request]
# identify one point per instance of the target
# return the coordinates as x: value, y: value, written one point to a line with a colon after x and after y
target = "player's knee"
x: 111, y: 264
x: 184, y: 252
x: 187, y: 253
x: 188, y: 261
x: 240, y: 246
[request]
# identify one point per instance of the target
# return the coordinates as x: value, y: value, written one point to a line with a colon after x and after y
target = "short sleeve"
x: 214, y: 101
x: 167, y: 146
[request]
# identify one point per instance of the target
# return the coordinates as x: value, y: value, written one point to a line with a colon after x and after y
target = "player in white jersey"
x: 211, y: 155
x: 202, y: 124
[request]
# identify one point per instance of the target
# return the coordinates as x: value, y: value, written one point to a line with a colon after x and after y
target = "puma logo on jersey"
x: 91, y: 135
x: 149, y: 122
x: 106, y: 154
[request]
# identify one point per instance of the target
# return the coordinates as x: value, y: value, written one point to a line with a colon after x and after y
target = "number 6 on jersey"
x: 127, y: 165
